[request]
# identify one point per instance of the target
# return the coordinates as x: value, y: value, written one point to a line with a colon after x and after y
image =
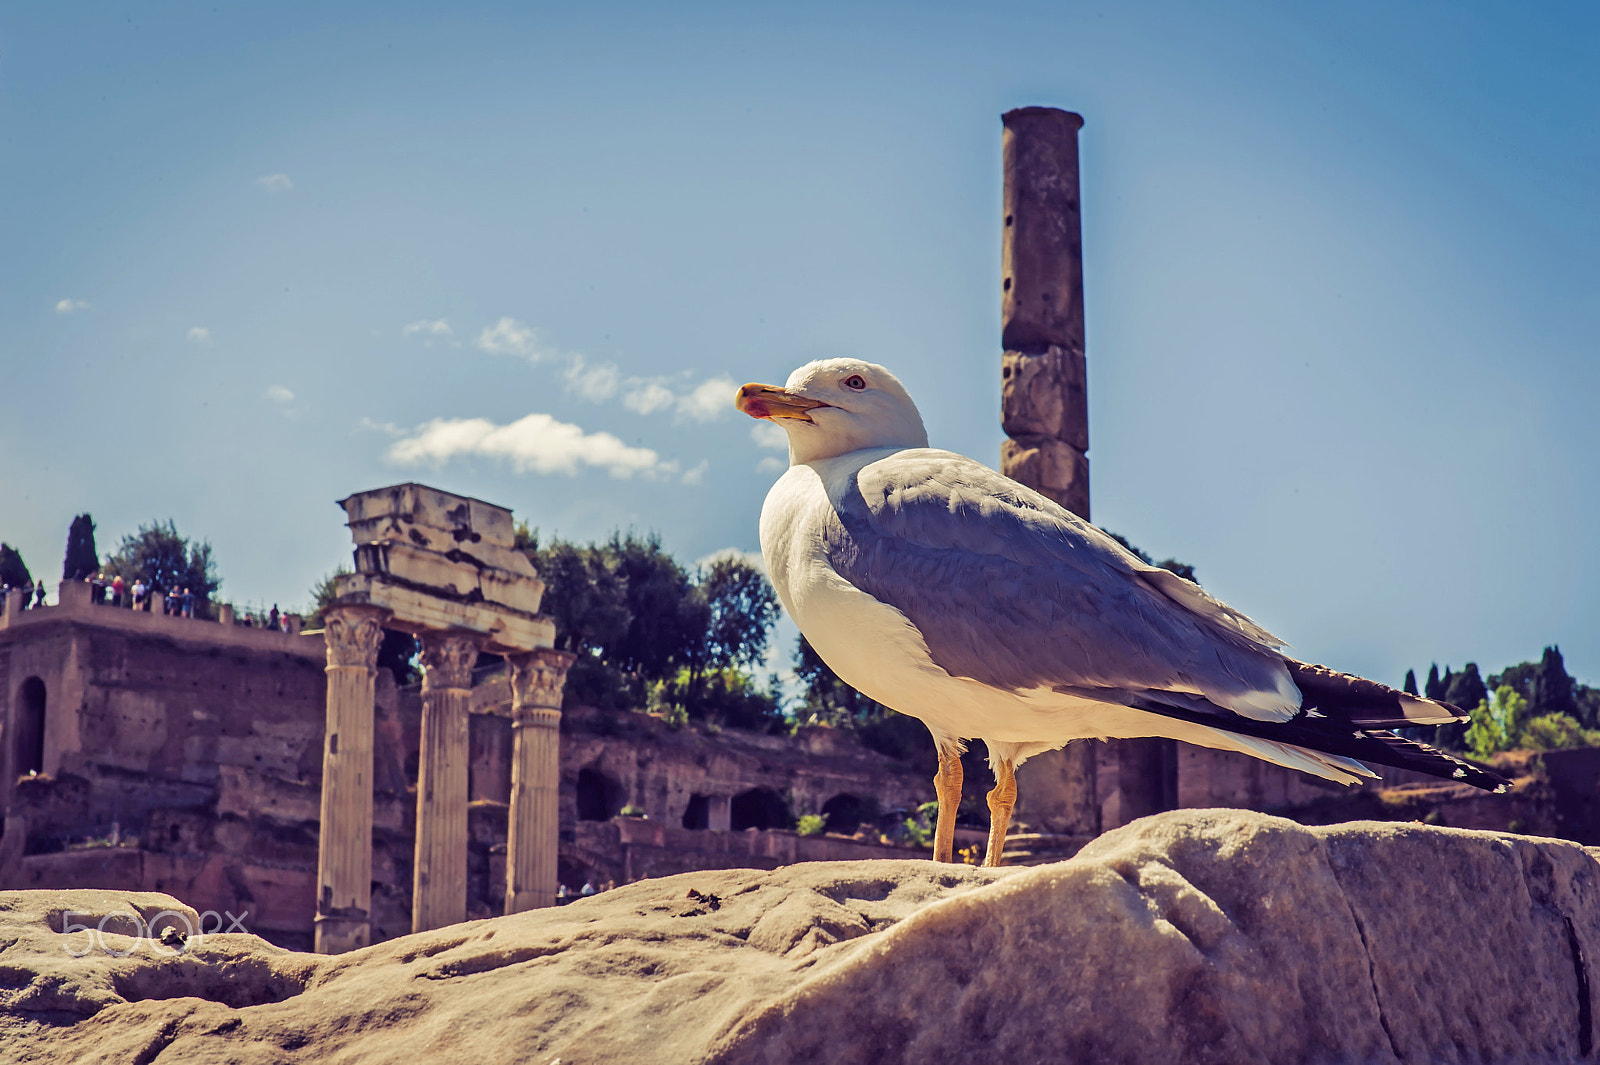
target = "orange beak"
x: 770, y: 401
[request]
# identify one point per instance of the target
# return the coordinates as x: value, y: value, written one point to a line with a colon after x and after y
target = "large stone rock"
x: 1197, y: 936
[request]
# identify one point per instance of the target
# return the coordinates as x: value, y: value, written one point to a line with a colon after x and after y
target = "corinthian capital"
x: 538, y: 677
x: 447, y: 659
x: 352, y: 635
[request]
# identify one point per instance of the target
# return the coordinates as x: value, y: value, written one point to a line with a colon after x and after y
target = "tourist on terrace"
x: 188, y: 603
x: 140, y: 591
x: 117, y: 589
x: 38, y: 594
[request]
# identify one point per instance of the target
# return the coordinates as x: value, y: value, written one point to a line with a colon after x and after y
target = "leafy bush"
x: 811, y: 824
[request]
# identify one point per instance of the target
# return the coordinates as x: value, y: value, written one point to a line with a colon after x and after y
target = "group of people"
x: 33, y: 593
x: 564, y: 896
x: 270, y: 620
x: 117, y: 592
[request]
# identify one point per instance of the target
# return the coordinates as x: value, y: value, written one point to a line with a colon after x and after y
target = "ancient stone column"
x: 1044, y: 410
x: 537, y: 680
x: 439, y: 878
x: 344, y: 845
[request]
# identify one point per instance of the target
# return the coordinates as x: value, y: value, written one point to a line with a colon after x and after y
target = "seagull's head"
x: 836, y: 406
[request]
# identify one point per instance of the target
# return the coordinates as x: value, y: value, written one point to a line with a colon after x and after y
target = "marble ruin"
x: 445, y: 568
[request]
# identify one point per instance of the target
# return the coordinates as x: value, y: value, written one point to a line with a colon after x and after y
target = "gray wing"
x: 1012, y: 590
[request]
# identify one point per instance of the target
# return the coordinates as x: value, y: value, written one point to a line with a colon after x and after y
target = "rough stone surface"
x: 1200, y: 936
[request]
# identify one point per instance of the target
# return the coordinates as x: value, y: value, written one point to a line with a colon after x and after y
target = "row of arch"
x: 600, y: 798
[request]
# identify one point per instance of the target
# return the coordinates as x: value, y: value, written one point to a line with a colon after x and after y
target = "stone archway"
x: 599, y: 796
x: 28, y: 752
x: 759, y: 808
x: 845, y: 813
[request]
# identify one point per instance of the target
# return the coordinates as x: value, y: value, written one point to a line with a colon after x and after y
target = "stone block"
x: 505, y: 630
x: 1045, y: 395
x: 1041, y: 254
x: 468, y: 520
x: 1051, y: 467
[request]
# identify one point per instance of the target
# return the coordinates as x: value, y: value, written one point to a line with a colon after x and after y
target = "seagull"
x: 949, y: 592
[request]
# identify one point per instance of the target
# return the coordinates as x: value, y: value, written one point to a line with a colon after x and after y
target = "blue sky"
x: 1343, y: 289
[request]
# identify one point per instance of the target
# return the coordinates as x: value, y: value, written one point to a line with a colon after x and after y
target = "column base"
x: 521, y: 901
x: 337, y: 935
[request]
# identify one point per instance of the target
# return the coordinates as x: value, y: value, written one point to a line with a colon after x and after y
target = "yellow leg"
x: 947, y: 786
x: 1001, y: 800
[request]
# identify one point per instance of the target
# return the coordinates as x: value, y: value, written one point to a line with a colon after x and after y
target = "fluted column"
x: 537, y: 680
x: 439, y: 879
x: 344, y: 843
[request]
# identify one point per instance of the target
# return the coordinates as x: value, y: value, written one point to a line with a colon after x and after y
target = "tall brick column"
x: 537, y: 680
x: 344, y: 844
x: 439, y: 879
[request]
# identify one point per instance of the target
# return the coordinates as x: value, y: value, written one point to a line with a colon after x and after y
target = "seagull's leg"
x: 947, y: 787
x: 1001, y: 800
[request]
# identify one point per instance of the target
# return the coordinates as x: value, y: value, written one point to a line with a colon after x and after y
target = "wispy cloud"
x: 510, y: 337
x: 769, y: 436
x: 536, y: 443
x: 386, y: 428
x: 69, y: 306
x: 596, y: 383
x: 647, y: 397
x: 279, y: 394
x: 601, y: 382
x: 696, y: 474
x: 439, y: 327
x: 708, y: 400
x: 199, y: 334
x: 771, y: 464
x: 275, y: 182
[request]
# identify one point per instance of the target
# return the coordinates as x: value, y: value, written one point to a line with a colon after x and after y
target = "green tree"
x: 82, y: 560
x: 743, y: 608
x: 1410, y: 687
x: 167, y: 562
x: 1552, y: 687
x: 1497, y: 722
x: 587, y: 599
x: 1506, y: 721
x: 13, y: 571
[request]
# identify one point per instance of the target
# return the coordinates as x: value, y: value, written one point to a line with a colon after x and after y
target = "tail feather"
x: 1326, y: 734
x: 1365, y: 703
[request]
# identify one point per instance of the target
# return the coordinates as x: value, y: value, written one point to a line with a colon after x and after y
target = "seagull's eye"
x: 855, y: 381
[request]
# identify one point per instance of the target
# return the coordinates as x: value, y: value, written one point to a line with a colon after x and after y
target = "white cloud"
x: 68, y: 306
x: 439, y: 327
x: 647, y: 397
x: 708, y: 400
x: 772, y: 437
x: 199, y: 334
x: 771, y: 464
x: 596, y: 383
x: 275, y: 182
x: 536, y: 443
x: 510, y: 337
x: 279, y: 394
x: 697, y: 475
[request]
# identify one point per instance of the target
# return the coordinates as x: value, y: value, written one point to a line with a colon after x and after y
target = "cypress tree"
x: 13, y: 570
x: 82, y: 559
x: 1552, y: 687
x: 1411, y: 682
x: 1434, y: 689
